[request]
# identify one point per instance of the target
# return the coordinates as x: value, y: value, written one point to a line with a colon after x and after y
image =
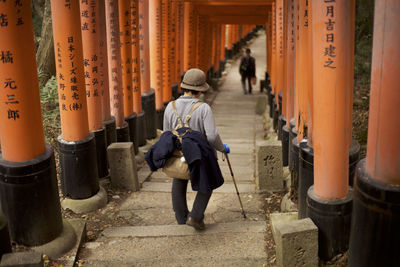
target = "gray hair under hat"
x: 194, y: 79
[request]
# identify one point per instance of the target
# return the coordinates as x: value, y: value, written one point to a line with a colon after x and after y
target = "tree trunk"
x: 45, y: 53
x: 37, y: 6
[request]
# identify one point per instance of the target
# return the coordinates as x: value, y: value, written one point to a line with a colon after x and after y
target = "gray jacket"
x: 202, y: 119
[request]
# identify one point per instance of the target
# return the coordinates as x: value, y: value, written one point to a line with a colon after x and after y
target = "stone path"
x: 229, y: 239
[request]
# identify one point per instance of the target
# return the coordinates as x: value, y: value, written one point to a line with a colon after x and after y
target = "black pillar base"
x: 375, y: 231
x: 268, y: 90
x: 332, y: 217
x: 281, y: 123
x: 175, y: 93
x: 111, y: 132
x: 222, y: 65
x: 78, y: 164
x: 5, y: 243
x: 285, y: 146
x: 141, y: 128
x: 294, y: 148
x: 306, y: 177
x: 132, y: 123
x: 123, y: 133
x: 149, y: 108
x: 292, y: 124
x: 234, y: 49
x: 160, y: 118
x: 209, y: 74
x: 30, y: 200
x: 101, y: 152
x: 275, y: 117
x: 228, y: 53
x: 267, y: 78
x: 306, y: 171
x: 354, y: 158
x: 271, y: 105
x: 262, y: 85
x: 280, y: 102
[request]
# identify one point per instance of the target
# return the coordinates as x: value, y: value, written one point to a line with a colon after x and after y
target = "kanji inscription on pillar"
x: 330, y: 47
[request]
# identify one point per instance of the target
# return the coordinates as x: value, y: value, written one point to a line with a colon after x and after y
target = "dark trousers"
x: 179, y: 204
x: 244, y: 77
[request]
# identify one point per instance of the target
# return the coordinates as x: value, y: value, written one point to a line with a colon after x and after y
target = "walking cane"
x: 234, y: 182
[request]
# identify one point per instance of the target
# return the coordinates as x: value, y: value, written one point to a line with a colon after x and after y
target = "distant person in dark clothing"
x: 247, y: 70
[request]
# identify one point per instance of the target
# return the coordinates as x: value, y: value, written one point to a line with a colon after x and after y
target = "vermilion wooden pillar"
x: 229, y: 43
x: 182, y: 40
x: 115, y: 71
x: 332, y: 52
x: 125, y: 37
x: 141, y: 130
x: 189, y: 37
x: 305, y: 168
x: 199, y: 34
x: 174, y: 55
x: 156, y: 70
x: 376, y: 217
x: 279, y: 53
x: 268, y: 28
x: 290, y: 55
x: 216, y: 50
x: 124, y: 16
x: 77, y: 148
x: 297, y: 124
x: 28, y: 181
x: 222, y: 48
x: 166, y: 52
x: 148, y: 93
x: 273, y: 58
x: 207, y: 48
x: 290, y: 79
x: 179, y: 35
x: 283, y: 96
x: 108, y: 120
x: 90, y: 27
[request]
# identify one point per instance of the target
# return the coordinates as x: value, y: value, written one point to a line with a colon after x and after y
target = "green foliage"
x: 37, y: 24
x: 362, y: 70
x: 363, y: 41
x: 48, y: 93
x: 50, y: 111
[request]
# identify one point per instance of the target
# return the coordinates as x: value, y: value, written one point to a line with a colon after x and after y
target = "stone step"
x: 225, y: 244
x: 225, y: 188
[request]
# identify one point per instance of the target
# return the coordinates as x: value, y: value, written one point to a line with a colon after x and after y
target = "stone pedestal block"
x: 22, y: 259
x: 269, y: 166
x: 296, y: 243
x: 123, y: 169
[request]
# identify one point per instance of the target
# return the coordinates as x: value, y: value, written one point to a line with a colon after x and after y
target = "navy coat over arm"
x: 205, y: 174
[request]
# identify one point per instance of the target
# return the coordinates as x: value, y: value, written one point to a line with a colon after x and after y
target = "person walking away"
x: 247, y: 70
x: 202, y: 120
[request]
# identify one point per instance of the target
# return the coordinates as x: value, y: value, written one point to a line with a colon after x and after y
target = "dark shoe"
x: 198, y: 225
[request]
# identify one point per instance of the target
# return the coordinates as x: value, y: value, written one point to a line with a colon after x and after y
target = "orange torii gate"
x: 27, y: 167
x: 90, y: 27
x: 148, y: 93
x: 77, y: 148
x: 311, y: 75
x: 374, y: 227
x: 125, y: 37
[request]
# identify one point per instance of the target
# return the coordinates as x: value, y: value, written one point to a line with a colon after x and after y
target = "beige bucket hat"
x: 194, y: 79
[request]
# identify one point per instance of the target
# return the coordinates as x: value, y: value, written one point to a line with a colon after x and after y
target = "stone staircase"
x: 229, y: 240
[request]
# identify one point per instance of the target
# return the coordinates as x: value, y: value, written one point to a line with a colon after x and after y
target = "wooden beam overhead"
x: 229, y: 2
x: 234, y: 10
x: 259, y: 20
